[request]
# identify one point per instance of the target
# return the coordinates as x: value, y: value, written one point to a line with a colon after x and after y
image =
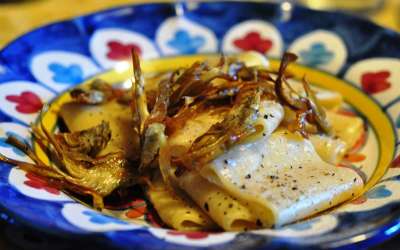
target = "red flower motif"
x: 359, y: 200
x: 119, y: 51
x: 396, y: 162
x: 35, y: 181
x: 138, y: 209
x: 27, y: 102
x: 375, y: 82
x: 359, y: 143
x: 190, y: 235
x: 354, y: 157
x: 253, y: 41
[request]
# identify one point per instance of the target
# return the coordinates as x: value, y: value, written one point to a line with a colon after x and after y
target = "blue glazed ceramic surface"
x: 36, y: 67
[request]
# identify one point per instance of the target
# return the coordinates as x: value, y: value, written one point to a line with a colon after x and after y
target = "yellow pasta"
x: 176, y: 211
x: 329, y: 149
x: 224, y: 209
x: 328, y: 99
x: 282, y: 178
x: 348, y: 128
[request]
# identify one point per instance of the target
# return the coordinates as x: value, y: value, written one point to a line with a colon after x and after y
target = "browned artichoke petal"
x: 237, y: 125
x: 88, y: 142
x: 154, y: 137
x: 105, y: 176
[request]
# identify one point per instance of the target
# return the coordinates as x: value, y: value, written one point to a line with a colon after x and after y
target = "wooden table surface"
x: 20, y: 16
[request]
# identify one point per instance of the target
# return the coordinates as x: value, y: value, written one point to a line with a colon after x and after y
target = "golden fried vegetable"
x: 76, y: 167
x: 238, y: 125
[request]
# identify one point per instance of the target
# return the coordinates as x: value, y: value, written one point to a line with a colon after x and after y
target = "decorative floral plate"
x: 340, y: 52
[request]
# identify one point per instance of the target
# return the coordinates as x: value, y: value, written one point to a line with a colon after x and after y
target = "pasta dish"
x: 226, y: 144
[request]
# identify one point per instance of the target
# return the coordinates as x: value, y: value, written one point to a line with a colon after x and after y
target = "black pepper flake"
x: 206, y: 207
x: 225, y: 213
x: 262, y: 165
x: 271, y: 115
x: 352, y: 194
x: 333, y: 174
x: 265, y: 116
x: 258, y: 223
x: 355, y: 179
x: 243, y: 187
x: 226, y: 161
x: 264, y: 134
x: 248, y: 176
x: 291, y: 167
x: 318, y: 182
x: 262, y: 156
x: 300, y: 167
x: 230, y: 205
x: 294, y: 188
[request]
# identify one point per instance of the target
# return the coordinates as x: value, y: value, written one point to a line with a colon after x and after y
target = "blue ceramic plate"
x: 337, y: 51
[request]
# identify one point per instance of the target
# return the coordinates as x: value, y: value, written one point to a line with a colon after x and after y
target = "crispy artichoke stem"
x: 139, y: 103
x: 286, y: 60
x: 149, y: 125
x: 320, y: 115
